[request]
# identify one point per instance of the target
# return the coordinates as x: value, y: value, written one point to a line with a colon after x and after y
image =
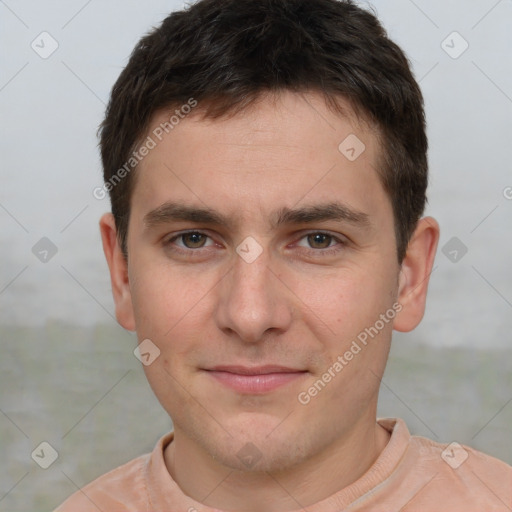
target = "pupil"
x: 194, y: 239
x: 320, y: 239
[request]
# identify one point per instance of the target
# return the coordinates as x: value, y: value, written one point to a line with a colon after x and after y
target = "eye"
x: 319, y: 240
x: 190, y: 240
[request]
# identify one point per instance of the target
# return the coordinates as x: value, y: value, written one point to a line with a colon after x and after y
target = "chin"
x: 257, y: 443
x: 257, y: 458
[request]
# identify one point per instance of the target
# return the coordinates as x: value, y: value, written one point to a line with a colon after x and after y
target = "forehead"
x: 276, y: 153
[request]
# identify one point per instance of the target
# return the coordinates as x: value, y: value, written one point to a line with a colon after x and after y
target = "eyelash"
x: 329, y: 251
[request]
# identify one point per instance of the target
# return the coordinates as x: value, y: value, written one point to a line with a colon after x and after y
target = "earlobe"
x: 415, y: 273
x: 118, y: 268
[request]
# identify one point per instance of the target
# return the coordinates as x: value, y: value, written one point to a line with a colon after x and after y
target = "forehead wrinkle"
x: 258, y: 145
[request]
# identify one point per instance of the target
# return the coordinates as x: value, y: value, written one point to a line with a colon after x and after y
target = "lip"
x: 255, y: 380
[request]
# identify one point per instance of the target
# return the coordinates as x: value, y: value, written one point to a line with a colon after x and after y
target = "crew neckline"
x: 164, y: 493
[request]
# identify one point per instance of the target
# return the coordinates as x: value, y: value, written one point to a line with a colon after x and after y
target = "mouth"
x: 255, y: 380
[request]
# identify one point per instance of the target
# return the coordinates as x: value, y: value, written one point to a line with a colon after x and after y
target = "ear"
x: 415, y: 274
x: 118, y: 267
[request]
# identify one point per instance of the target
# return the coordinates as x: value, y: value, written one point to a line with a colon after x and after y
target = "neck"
x: 203, y: 479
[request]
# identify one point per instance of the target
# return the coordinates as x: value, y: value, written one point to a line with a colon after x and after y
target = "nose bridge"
x: 251, y: 301
x: 251, y: 277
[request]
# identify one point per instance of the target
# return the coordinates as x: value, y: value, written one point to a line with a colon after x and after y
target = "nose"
x: 253, y: 301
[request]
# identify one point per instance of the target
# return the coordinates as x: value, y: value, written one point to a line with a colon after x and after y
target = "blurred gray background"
x: 68, y: 376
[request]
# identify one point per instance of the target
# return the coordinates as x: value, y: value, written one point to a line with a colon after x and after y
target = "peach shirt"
x: 412, y: 474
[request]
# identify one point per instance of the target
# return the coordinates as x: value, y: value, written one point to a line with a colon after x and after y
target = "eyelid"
x: 176, y: 236
x: 341, y: 240
x: 334, y: 236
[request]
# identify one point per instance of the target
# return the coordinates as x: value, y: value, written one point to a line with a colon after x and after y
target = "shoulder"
x: 122, y: 489
x: 445, y: 477
x: 463, y: 475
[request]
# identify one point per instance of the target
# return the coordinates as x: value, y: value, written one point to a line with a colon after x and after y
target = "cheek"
x: 345, y: 302
x: 173, y: 311
x: 166, y: 299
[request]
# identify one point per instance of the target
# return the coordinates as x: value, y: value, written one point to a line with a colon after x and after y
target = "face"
x: 258, y: 253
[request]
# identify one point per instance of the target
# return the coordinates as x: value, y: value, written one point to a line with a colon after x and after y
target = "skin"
x: 296, y: 305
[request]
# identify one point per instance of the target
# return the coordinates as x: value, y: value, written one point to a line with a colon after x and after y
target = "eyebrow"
x: 322, y: 212
x: 170, y: 211
x: 334, y: 211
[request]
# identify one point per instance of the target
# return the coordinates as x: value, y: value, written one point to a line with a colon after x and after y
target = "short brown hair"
x: 226, y: 53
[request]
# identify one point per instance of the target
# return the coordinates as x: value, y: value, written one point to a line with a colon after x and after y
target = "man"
x: 266, y: 163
